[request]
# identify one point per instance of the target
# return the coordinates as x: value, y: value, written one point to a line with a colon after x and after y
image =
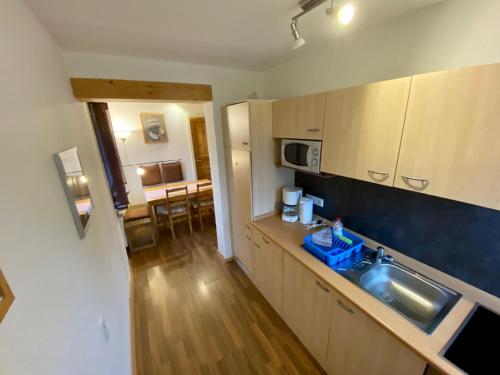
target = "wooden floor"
x: 195, y: 314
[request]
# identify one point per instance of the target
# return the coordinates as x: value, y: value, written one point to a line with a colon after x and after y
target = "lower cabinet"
x: 307, y: 304
x: 244, y: 248
x: 359, y: 346
x: 342, y: 338
x: 268, y: 274
x: 240, y: 197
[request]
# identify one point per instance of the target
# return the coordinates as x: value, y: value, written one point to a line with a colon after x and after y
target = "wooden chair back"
x: 204, y: 192
x: 178, y: 206
x: 177, y: 198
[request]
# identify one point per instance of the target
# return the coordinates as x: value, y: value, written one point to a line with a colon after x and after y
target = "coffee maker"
x: 291, y: 197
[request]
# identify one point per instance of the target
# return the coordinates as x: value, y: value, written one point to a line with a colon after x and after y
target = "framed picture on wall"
x: 154, y: 128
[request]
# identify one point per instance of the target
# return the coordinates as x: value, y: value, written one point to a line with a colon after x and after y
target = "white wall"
x: 228, y: 85
x: 126, y: 116
x: 452, y: 34
x: 62, y: 284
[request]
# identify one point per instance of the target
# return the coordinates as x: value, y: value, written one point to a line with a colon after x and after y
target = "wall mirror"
x: 75, y: 186
x: 6, y: 296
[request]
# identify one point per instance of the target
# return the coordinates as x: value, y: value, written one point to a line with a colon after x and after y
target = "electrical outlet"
x: 317, y: 201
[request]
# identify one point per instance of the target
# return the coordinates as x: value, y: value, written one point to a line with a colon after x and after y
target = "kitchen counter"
x: 289, y: 236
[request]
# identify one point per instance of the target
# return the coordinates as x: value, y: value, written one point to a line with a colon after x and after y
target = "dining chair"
x: 177, y: 206
x: 204, y: 201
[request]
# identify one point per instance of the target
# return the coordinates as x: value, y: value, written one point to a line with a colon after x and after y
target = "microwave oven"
x: 301, y: 154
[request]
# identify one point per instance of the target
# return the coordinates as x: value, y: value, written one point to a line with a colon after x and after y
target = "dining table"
x: 156, y: 195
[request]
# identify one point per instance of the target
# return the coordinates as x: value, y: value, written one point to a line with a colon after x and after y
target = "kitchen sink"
x: 420, y: 300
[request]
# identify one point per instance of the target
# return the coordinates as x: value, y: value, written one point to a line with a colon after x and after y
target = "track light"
x: 330, y: 11
x: 298, y: 41
x: 345, y: 14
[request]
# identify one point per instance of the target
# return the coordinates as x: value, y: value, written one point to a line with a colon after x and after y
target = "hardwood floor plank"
x: 196, y: 314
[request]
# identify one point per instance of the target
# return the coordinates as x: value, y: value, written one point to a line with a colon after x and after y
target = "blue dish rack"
x: 339, y: 251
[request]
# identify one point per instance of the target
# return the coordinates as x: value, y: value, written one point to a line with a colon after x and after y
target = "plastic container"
x: 338, y: 227
x: 306, y: 210
x: 339, y: 251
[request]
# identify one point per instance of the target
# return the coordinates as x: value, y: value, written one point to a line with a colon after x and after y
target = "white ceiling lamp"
x: 306, y: 6
x: 298, y: 40
x: 344, y: 14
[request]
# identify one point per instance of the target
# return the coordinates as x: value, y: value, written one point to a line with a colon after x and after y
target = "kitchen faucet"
x: 380, y: 255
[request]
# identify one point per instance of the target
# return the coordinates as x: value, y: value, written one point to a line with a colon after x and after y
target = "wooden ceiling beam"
x: 91, y: 89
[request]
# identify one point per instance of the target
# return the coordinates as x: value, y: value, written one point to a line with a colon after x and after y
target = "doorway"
x: 200, y: 147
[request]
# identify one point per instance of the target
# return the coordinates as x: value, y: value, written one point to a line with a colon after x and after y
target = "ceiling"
x: 251, y: 34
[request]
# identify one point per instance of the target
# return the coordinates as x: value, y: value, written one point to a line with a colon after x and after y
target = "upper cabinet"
x: 362, y: 130
x: 238, y: 126
x: 299, y: 118
x: 450, y: 146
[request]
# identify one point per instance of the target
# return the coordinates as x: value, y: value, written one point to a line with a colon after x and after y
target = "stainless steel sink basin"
x: 420, y: 300
x: 412, y: 296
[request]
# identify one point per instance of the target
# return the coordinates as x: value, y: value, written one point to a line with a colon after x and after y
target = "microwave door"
x: 296, y: 154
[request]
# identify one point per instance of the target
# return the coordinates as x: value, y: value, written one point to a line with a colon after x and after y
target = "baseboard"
x: 244, y: 268
x: 225, y: 260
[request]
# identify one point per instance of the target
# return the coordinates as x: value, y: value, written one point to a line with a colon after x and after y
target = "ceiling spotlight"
x: 330, y: 11
x: 298, y: 41
x: 346, y: 14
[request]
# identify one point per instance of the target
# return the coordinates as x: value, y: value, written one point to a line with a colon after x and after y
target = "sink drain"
x: 386, y: 297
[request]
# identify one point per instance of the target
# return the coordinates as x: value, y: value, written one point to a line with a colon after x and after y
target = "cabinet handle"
x: 248, y: 237
x: 313, y: 130
x: 383, y: 175
x: 346, y: 308
x: 244, y: 143
x: 248, y: 226
x: 423, y: 182
x: 256, y: 245
x: 321, y: 286
x: 265, y: 241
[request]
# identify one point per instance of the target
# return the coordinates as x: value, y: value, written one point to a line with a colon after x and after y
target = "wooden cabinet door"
x: 241, y: 204
x: 450, y: 142
x: 363, y: 128
x: 299, y: 118
x: 306, y: 307
x: 238, y: 126
x: 268, y: 273
x: 359, y: 346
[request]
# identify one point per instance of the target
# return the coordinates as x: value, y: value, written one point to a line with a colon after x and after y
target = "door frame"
x: 112, y: 90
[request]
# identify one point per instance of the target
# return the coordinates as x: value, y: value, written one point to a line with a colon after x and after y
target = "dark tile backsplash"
x: 457, y: 238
